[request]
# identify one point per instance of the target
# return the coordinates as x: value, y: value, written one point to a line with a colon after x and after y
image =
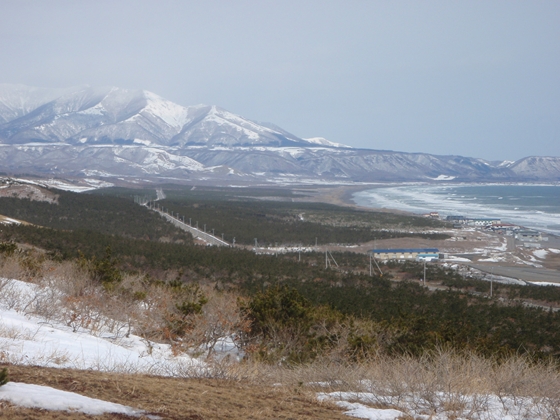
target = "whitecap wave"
x: 447, y: 201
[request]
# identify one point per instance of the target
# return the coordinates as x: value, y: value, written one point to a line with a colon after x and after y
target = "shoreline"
x: 478, y: 201
x: 481, y: 243
x: 342, y: 196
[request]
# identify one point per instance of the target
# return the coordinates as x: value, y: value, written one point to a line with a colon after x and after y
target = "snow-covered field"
x: 27, y: 337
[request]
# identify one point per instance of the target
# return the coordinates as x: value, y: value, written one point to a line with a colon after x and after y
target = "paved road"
x: 510, y: 243
x: 522, y: 273
x: 160, y: 194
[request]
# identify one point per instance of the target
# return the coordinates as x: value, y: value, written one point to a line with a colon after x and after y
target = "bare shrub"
x: 219, y: 319
x: 4, y: 282
x: 461, y: 385
x: 156, y: 307
x: 11, y: 268
x: 11, y: 297
x: 69, y: 278
x: 44, y: 302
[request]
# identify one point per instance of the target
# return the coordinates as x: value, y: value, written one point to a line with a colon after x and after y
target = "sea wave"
x: 472, y: 201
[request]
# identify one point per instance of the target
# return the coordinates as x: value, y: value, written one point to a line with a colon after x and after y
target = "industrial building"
x: 528, y: 235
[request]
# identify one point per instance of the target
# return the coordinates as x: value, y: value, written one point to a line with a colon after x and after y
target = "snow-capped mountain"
x: 108, y: 131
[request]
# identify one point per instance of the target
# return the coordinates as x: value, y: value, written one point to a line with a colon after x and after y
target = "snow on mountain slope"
x: 505, y: 164
x: 534, y: 166
x: 119, y: 116
x: 324, y: 142
x: 19, y: 100
x: 40, y: 134
x: 215, y: 126
x: 99, y: 115
x: 109, y: 160
x: 172, y: 114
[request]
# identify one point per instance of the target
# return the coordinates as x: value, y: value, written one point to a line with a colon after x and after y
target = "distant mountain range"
x: 112, y: 132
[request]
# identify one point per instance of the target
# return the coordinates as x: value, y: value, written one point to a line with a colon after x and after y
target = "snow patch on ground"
x: 47, y: 398
x: 544, y: 283
x: 28, y: 339
x: 9, y: 221
x: 440, y: 406
x: 452, y: 258
x: 540, y: 253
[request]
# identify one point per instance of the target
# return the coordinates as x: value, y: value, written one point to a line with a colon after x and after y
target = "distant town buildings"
x: 530, y: 238
x: 506, y: 228
x: 528, y: 235
x: 469, y: 221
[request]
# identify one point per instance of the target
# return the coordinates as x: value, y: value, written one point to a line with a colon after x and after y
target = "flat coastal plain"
x: 485, y: 251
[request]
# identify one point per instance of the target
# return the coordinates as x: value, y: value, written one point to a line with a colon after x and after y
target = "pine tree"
x: 4, y: 376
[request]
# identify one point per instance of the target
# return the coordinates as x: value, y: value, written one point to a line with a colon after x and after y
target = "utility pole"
x: 315, y: 242
x: 370, y: 267
x: 424, y: 272
x: 335, y: 263
x: 255, y: 242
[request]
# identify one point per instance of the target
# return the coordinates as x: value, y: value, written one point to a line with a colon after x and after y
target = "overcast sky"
x: 473, y: 78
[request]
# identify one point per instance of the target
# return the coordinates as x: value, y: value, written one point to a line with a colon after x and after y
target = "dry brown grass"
x: 457, y: 384
x: 172, y: 398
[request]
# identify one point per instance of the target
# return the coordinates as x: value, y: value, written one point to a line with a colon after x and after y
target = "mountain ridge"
x: 136, y: 133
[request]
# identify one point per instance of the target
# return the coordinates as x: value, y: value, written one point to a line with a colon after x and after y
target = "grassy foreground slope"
x: 170, y: 398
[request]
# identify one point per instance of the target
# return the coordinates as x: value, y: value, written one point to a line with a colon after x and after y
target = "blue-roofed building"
x: 417, y: 254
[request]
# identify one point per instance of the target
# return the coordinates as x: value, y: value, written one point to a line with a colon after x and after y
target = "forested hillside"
x: 86, y: 212
x: 287, y: 298
x: 246, y: 214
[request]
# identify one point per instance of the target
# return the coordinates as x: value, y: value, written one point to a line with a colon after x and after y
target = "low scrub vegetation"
x: 292, y: 320
x: 309, y: 313
x: 287, y: 340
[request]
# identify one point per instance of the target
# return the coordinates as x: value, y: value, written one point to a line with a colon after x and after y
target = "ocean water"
x: 532, y: 206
